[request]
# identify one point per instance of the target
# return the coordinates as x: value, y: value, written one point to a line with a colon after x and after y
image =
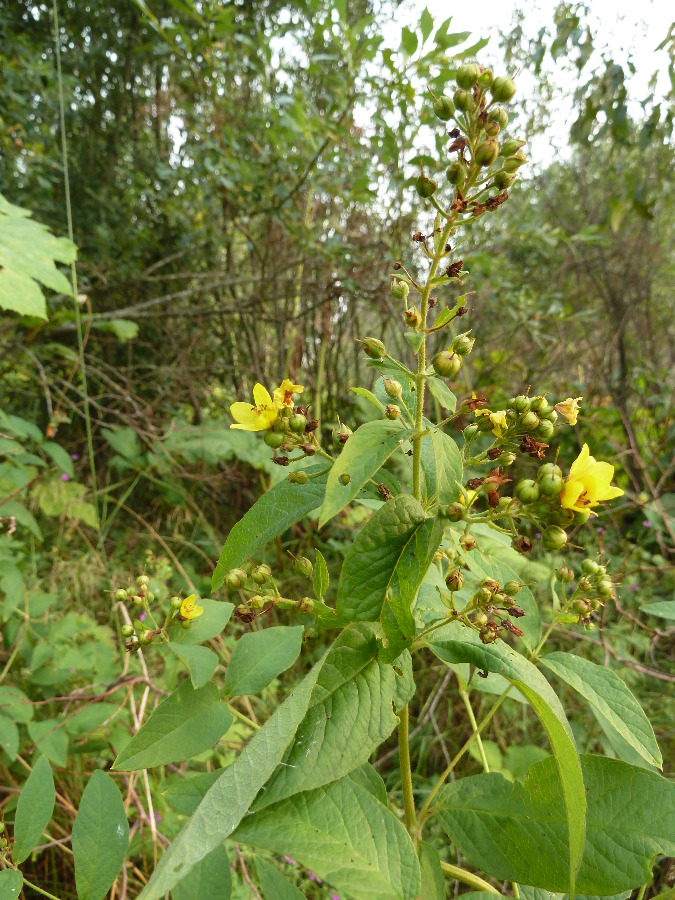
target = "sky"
x: 623, y: 25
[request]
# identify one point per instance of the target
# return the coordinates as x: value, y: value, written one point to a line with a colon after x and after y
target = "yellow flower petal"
x: 588, y: 483
x: 283, y: 395
x: 190, y: 609
x: 261, y: 396
x: 569, y: 409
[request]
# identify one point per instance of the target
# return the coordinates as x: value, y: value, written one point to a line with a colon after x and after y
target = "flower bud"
x: 413, y: 318
x: 503, y: 180
x: 143, y: 581
x: 605, y: 588
x: 454, y: 580
x: 467, y: 75
x: 373, y: 348
x: 392, y: 388
x: 480, y: 619
x: 513, y: 163
x: 393, y: 412
x: 447, y: 363
x: 511, y: 588
x: 527, y: 491
x: 145, y: 637
x: 297, y: 423
x: 507, y: 459
x: 400, y: 289
x: 274, y: 439
x: 341, y: 435
x: 260, y: 574
x: 456, y: 174
x: 120, y: 595
x: 297, y: 477
x: 176, y: 603
x: 503, y: 89
x: 590, y: 567
x: 467, y: 542
x: 455, y: 512
x: 485, y: 79
x: 554, y: 538
x: 551, y: 485
x: 499, y: 115
x: 565, y: 574
x: 444, y: 108
x: 425, y: 187
x: 306, y: 605
x: 549, y: 469
x: 470, y: 433
x: 521, y: 403
x: 235, y: 579
x: 463, y: 344
x: 492, y: 129
x: 345, y: 478
x: 463, y: 100
x: 302, y: 566
x: 511, y: 147
x: 581, y: 516
x: 487, y: 152
x: 127, y: 631
x: 482, y: 596
x: 529, y: 421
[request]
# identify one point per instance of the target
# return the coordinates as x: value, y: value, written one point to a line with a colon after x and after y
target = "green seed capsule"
x: 127, y: 631
x: 554, y: 538
x: 467, y: 75
x: 425, y: 187
x: 297, y: 423
x: 503, y: 89
x: 274, y: 439
x: 444, y: 108
x: 464, y: 100
x: 527, y: 491
x: 447, y: 363
x: 499, y: 115
x: 487, y: 152
x: 120, y: 595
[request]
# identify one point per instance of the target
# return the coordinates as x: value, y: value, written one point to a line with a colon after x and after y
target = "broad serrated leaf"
x: 185, y: 723
x: 34, y: 809
x: 606, y: 691
x: 320, y: 577
x: 28, y: 253
x: 275, y: 885
x: 228, y: 800
x: 518, y: 831
x: 343, y: 834
x: 200, y: 661
x: 210, y: 878
x: 367, y: 449
x: 282, y: 506
x: 259, y: 656
x: 355, y: 694
x: 100, y: 837
x: 455, y: 643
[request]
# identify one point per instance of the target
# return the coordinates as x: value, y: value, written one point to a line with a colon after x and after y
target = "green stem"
x: 40, y: 890
x: 406, y: 772
x: 469, y: 878
x: 242, y: 718
x: 469, y: 710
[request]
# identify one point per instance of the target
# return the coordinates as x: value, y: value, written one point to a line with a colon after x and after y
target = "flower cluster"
x: 145, y: 628
x: 264, y: 411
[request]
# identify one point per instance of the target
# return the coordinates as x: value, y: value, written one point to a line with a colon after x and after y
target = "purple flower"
x: 75, y: 456
x: 313, y: 877
x: 291, y: 862
x: 646, y: 523
x: 65, y: 476
x: 538, y: 535
x: 334, y: 896
x: 142, y: 616
x: 634, y: 586
x: 601, y: 530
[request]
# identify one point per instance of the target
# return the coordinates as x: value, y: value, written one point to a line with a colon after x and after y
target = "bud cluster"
x: 253, y: 602
x: 592, y: 590
x: 292, y: 430
x: 490, y: 608
x: 144, y: 627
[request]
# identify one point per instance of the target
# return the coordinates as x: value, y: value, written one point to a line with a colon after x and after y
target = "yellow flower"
x: 498, y: 420
x: 588, y: 483
x: 255, y: 418
x: 283, y: 395
x: 569, y: 409
x: 190, y: 609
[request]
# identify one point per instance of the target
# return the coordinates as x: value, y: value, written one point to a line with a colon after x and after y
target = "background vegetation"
x: 240, y: 178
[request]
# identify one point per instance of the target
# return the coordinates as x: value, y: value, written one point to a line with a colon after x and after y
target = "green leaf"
x: 433, y: 884
x: 664, y: 609
x: 321, y: 578
x: 11, y: 882
x: 9, y: 737
x: 371, y: 561
x: 184, y: 724
x: 605, y: 691
x: 275, y: 885
x: 363, y: 454
x: 34, y: 809
x: 269, y: 517
x: 211, y: 877
x: 455, y: 643
x: 355, y: 694
x: 210, y: 624
x: 343, y: 834
x: 185, y: 794
x: 100, y: 837
x: 123, y: 329
x: 51, y: 739
x: 28, y: 252
x: 441, y: 392
x: 123, y: 441
x: 447, y: 467
x: 14, y: 703
x: 59, y: 456
x: 414, y: 340
x: 426, y: 24
x: 200, y: 661
x: 259, y: 656
x: 369, y: 396
x: 518, y: 831
x: 23, y: 517
x: 229, y: 799
x: 408, y: 41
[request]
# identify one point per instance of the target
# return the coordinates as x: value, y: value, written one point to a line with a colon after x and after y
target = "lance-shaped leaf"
x: 345, y: 835
x: 34, y: 809
x: 100, y: 837
x: 228, y: 800
x: 456, y: 644
x: 282, y: 506
x: 367, y: 449
x: 518, y: 831
x: 356, y: 695
x: 605, y: 691
x: 259, y: 656
x: 441, y: 466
